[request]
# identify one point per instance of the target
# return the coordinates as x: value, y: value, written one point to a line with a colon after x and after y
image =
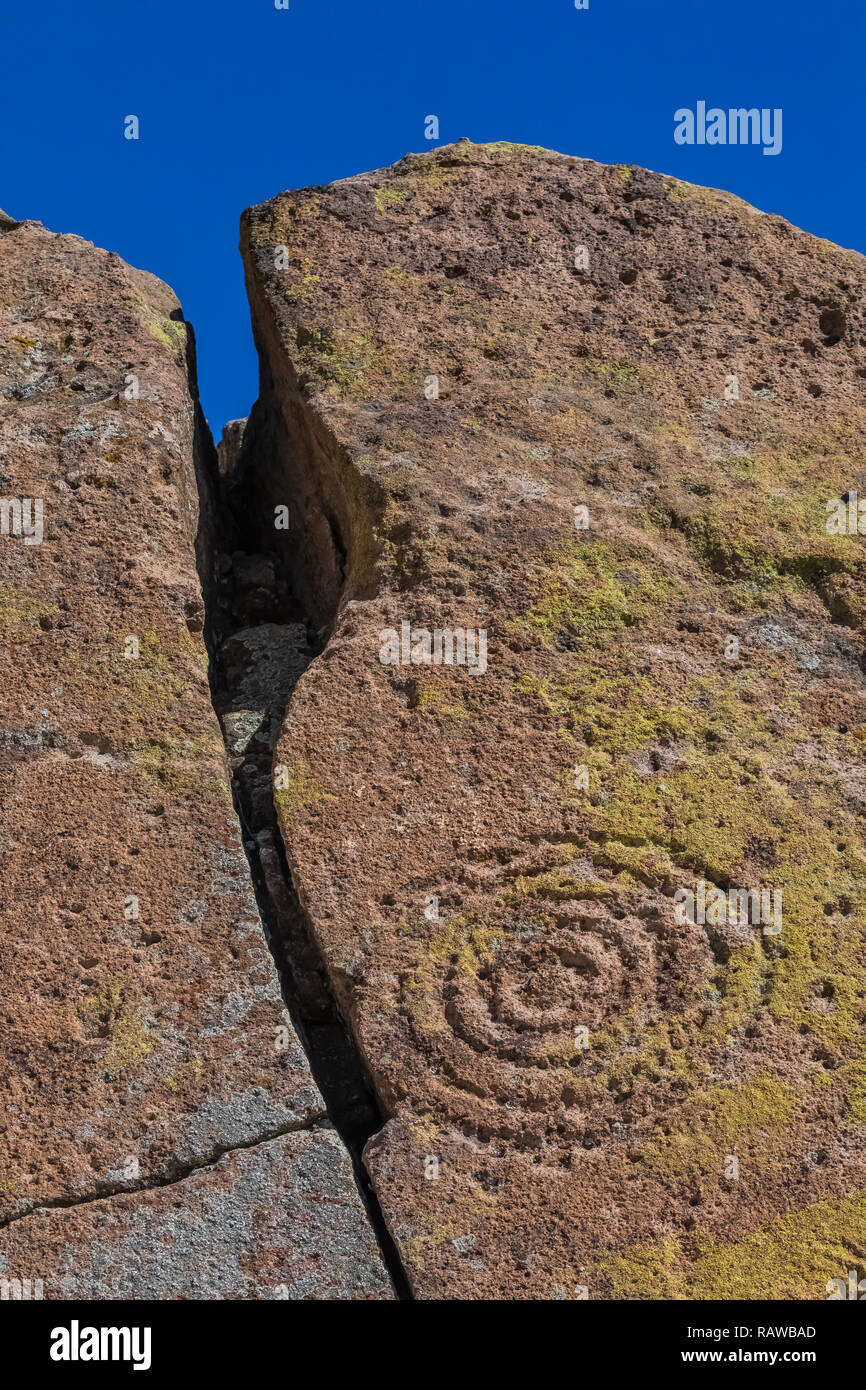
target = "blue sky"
x: 238, y: 100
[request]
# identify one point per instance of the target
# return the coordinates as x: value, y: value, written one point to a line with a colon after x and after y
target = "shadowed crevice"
x: 269, y: 601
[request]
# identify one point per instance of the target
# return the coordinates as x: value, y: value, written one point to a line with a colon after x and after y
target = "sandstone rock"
x: 142, y: 1028
x: 594, y: 414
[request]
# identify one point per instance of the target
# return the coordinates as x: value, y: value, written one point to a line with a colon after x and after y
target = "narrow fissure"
x: 261, y: 636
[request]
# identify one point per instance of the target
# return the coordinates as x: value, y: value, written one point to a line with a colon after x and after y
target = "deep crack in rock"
x: 162, y: 1132
x: 263, y: 629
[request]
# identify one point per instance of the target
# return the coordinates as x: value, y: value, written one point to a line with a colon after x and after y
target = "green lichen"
x: 277, y: 222
x: 705, y: 816
x: 431, y: 699
x: 632, y: 864
x: 854, y: 1077
x: 589, y: 588
x: 721, y: 1121
x: 616, y: 374
x: 19, y: 609
x: 129, y: 1038
x: 355, y: 364
x: 193, y: 645
x: 616, y: 710
x: 305, y: 279
x: 131, y: 1042
x: 296, y: 788
x: 793, y: 1257
x: 462, y: 944
x: 390, y: 199
x: 131, y: 687
x: 510, y: 150
x: 431, y: 176
x: 467, y: 1211
x: 557, y: 885
x: 758, y: 523
x: 191, y: 1070
x: 170, y: 332
x: 399, y: 276
x: 709, y: 200
x: 181, y: 765
x: 730, y: 783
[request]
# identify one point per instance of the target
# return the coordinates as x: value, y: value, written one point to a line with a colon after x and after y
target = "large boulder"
x: 588, y: 421
x: 144, y: 1036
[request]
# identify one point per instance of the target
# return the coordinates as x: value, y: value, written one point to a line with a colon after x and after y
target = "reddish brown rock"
x: 142, y: 1029
x: 587, y: 425
x: 598, y: 414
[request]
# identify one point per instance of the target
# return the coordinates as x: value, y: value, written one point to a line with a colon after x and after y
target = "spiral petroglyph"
x: 507, y: 1015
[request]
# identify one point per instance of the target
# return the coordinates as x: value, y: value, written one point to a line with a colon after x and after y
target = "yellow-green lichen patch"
x: 854, y: 1079
x: 304, y: 280
x: 295, y: 788
x: 19, y: 609
x: 277, y: 223
x: 614, y: 710
x: 707, y: 816
x: 170, y: 332
x: 631, y: 864
x: 708, y: 200
x: 587, y: 589
x: 191, y: 1071
x: 463, y: 944
x: 107, y: 1011
x: 703, y: 815
x: 467, y: 1212
x: 734, y: 796
x: 193, y: 645
x: 619, y: 375
x: 719, y: 1122
x: 354, y: 363
x: 398, y: 276
x: 557, y: 885
x: 182, y: 765
x: 507, y: 149
x: 134, y: 676
x: 389, y: 198
x: 432, y: 699
x: 753, y: 507
x: 794, y: 1257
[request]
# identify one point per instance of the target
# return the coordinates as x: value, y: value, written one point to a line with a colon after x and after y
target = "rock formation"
x: 533, y: 594
x: 146, y: 1049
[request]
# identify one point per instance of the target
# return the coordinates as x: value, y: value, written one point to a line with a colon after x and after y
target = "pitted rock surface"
x: 599, y: 416
x: 275, y: 1221
x: 143, y: 1029
x: 598, y: 413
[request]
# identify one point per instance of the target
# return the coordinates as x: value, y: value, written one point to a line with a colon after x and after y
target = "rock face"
x: 533, y: 587
x: 275, y: 1221
x: 585, y: 421
x: 144, y: 1036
